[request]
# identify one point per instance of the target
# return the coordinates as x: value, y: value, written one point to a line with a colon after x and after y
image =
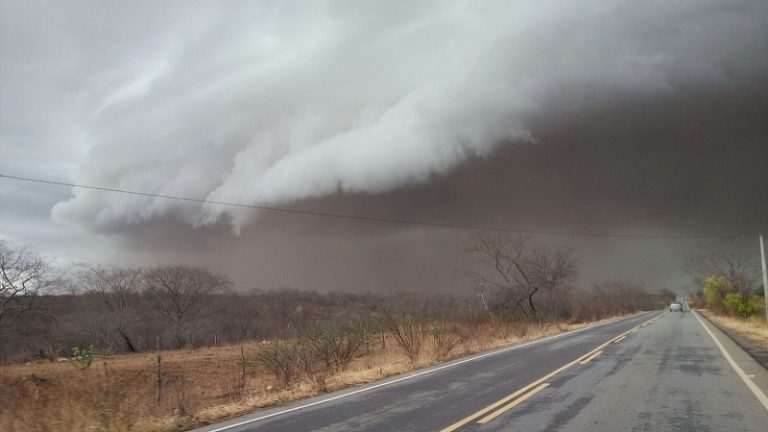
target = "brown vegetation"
x: 163, y: 348
x: 754, y: 329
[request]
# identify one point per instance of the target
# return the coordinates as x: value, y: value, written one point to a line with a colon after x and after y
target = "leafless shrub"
x: 335, y: 346
x: 409, y: 334
x: 519, y: 328
x: 279, y: 358
x: 287, y: 360
x: 475, y: 332
x: 443, y: 339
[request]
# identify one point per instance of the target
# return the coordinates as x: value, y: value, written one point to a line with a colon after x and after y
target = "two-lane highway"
x: 655, y: 371
x: 667, y: 376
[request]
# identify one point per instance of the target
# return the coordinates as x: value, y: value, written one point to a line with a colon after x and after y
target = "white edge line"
x: 752, y: 386
x: 418, y: 374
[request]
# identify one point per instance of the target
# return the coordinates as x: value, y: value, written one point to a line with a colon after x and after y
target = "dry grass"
x: 118, y: 393
x: 754, y: 329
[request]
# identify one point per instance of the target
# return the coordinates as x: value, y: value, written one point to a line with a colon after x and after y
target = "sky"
x: 586, y: 117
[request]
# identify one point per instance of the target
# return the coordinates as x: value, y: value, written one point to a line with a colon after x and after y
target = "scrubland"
x: 170, y: 347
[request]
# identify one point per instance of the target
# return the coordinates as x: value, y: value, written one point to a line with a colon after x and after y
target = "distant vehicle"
x: 676, y: 307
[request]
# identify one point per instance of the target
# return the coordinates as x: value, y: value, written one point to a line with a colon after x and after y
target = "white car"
x: 675, y: 307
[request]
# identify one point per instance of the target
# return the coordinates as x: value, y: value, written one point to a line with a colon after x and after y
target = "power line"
x: 373, y: 218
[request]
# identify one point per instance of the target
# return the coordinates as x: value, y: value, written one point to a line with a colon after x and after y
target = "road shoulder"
x: 752, y: 347
x: 754, y: 372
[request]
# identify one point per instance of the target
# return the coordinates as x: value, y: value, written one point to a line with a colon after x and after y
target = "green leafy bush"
x: 81, y: 358
x: 743, y: 304
x: 715, y: 290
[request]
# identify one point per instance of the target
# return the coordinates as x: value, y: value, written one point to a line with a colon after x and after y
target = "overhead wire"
x: 374, y: 219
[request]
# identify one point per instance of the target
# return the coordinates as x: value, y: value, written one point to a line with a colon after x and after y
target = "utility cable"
x: 373, y: 218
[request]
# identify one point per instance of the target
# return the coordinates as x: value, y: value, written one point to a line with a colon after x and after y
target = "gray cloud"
x: 601, y: 115
x: 277, y: 103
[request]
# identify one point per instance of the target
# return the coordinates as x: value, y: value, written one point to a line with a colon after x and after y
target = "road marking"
x: 420, y: 373
x: 512, y: 404
x: 498, y: 403
x: 590, y: 358
x: 620, y: 339
x: 546, y: 377
x: 739, y: 371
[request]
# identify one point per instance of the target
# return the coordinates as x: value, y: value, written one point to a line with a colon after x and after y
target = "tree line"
x: 45, y: 312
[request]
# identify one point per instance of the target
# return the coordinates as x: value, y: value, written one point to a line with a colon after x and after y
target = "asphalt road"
x: 652, y: 372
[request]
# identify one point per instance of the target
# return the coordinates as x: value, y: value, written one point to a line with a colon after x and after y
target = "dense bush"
x: 743, y: 304
x: 715, y: 290
x: 720, y: 295
x: 81, y: 358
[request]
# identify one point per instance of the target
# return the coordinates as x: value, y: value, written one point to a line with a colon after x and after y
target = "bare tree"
x: 730, y: 260
x: 481, y: 289
x: 23, y: 276
x: 518, y: 271
x: 179, y: 293
x: 552, y: 270
x: 116, y: 287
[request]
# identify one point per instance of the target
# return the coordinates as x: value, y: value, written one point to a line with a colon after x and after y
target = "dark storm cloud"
x: 695, y: 161
x: 282, y: 103
x: 610, y: 116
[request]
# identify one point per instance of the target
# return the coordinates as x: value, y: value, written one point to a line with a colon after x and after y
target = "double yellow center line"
x: 516, y: 398
x: 512, y: 404
x: 588, y: 359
